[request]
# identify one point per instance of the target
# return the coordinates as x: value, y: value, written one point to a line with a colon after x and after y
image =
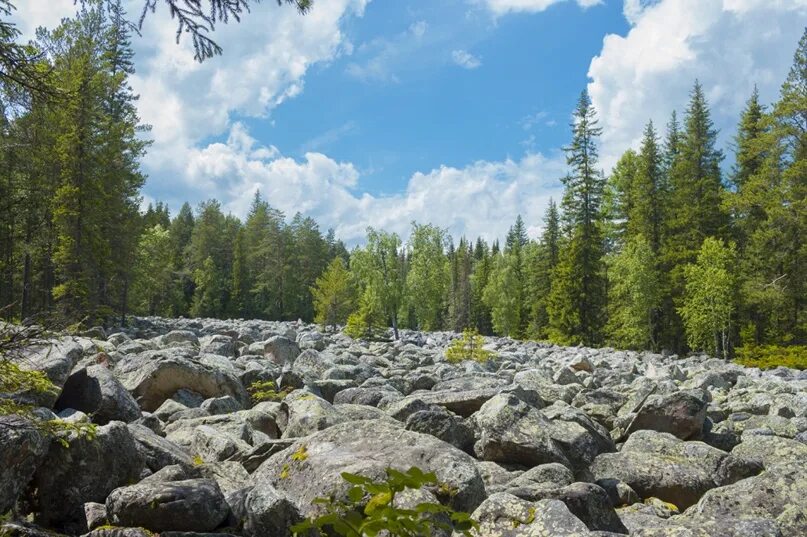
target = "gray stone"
x: 22, y: 450
x: 191, y: 505
x: 87, y: 471
x: 367, y: 447
x: 96, y: 391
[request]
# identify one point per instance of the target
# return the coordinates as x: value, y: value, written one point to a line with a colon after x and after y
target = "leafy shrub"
x: 370, y: 509
x: 771, y: 356
x: 266, y: 390
x: 468, y: 347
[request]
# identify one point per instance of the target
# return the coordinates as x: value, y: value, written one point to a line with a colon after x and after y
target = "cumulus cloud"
x: 502, y: 7
x: 465, y: 59
x: 479, y: 199
x: 729, y: 45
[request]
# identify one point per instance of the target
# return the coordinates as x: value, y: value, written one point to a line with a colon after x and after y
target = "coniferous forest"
x: 681, y: 246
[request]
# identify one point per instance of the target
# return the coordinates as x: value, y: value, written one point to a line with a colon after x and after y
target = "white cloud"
x: 479, y: 199
x: 502, y: 7
x: 728, y: 45
x: 465, y: 59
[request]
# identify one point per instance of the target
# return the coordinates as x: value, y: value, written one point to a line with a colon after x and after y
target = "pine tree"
x: 517, y: 235
x: 480, y: 312
x: 460, y: 300
x: 644, y: 217
x: 577, y: 298
x: 542, y: 259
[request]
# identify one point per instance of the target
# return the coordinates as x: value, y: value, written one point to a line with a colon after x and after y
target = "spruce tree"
x: 334, y: 294
x: 577, y: 299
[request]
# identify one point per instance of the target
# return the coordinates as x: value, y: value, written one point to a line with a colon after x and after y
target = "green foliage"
x: 153, y: 284
x: 468, y: 347
x: 771, y: 356
x: 634, y: 296
x: 368, y: 321
x: 428, y: 277
x: 266, y: 390
x: 379, y: 270
x: 709, y: 302
x: 504, y: 294
x: 334, y: 294
x: 370, y: 509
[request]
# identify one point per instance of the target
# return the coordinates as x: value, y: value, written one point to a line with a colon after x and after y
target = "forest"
x: 682, y: 246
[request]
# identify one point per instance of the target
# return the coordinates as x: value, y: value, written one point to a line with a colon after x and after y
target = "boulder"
x: 504, y: 515
x: 55, y: 359
x: 87, y: 471
x: 281, y: 350
x: 96, y: 391
x: 367, y: 447
x: 192, y: 505
x: 779, y: 494
x: 511, y: 431
x: 660, y: 465
x: 156, y: 450
x: 679, y: 413
x: 154, y: 376
x: 22, y: 450
x: 268, y: 512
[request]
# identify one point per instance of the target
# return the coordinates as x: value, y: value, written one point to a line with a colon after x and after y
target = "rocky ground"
x: 541, y: 441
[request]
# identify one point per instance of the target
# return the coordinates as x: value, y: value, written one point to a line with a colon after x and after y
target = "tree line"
x: 671, y: 250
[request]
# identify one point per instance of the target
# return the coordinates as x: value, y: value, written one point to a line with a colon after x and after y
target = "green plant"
x: 266, y: 390
x: 370, y: 509
x: 771, y: 356
x: 468, y: 347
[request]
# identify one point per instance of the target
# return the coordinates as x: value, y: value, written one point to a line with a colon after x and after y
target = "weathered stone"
x: 192, y: 505
x: 511, y: 431
x: 660, y: 465
x: 96, y: 391
x: 87, y: 471
x: 367, y: 447
x: 679, y: 413
x: 22, y: 450
x: 153, y: 377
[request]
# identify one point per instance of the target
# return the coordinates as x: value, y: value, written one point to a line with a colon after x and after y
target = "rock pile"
x: 542, y: 440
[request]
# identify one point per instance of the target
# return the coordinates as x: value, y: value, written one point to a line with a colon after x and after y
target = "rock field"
x: 540, y: 441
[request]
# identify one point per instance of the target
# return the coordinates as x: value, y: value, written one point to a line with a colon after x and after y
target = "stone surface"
x: 191, y: 505
x: 22, y: 450
x: 96, y: 391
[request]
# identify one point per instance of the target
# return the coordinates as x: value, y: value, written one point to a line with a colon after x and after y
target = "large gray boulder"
x: 22, y: 450
x: 55, y: 359
x: 302, y: 413
x: 192, y: 505
x: 95, y: 391
x: 660, y: 465
x: 367, y: 447
x: 679, y: 413
x: 154, y: 376
x: 779, y: 494
x: 156, y: 450
x: 504, y: 515
x: 511, y: 431
x: 87, y: 471
x: 268, y: 512
x: 281, y: 350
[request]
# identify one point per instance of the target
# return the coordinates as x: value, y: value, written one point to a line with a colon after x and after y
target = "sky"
x: 454, y: 112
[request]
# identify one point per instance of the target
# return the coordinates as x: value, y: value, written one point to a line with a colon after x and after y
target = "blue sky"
x: 420, y: 109
x: 381, y: 112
